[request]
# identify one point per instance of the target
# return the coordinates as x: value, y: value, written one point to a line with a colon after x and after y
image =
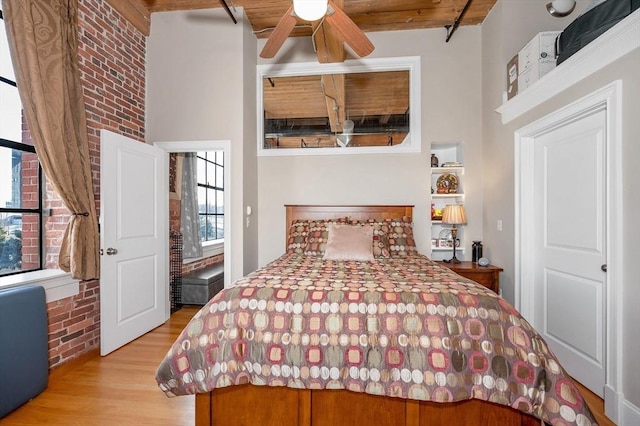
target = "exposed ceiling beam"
x: 330, y: 48
x: 328, y: 43
x: 334, y: 95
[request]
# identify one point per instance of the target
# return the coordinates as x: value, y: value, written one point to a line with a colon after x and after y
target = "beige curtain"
x: 43, y: 44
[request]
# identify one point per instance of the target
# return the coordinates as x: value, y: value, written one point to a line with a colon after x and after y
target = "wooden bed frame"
x: 270, y: 406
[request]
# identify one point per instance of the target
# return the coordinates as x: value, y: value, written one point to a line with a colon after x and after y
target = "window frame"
x: 39, y: 210
x: 202, y: 156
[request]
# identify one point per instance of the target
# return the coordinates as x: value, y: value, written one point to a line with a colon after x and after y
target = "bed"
x: 317, y: 338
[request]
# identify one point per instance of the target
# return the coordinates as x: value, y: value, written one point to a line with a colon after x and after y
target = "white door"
x: 134, y: 287
x: 570, y: 211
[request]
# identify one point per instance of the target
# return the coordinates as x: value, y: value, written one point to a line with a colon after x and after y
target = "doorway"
x: 546, y: 294
x: 212, y: 145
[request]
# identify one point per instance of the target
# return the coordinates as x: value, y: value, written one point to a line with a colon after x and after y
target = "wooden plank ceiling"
x: 369, y: 15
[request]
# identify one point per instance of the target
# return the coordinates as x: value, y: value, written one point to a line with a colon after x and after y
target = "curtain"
x: 43, y: 40
x: 189, y: 218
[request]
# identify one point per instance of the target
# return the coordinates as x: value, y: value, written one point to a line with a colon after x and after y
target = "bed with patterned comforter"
x: 403, y: 327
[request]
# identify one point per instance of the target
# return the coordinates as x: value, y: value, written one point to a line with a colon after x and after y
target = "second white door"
x: 570, y: 249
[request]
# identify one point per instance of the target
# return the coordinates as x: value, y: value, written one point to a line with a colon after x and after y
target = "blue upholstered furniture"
x: 24, y: 363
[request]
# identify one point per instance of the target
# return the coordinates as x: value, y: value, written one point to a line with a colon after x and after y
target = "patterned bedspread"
x: 402, y: 327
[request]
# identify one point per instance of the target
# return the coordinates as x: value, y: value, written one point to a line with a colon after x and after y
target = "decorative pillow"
x: 297, y: 236
x: 349, y: 242
x: 318, y: 234
x: 401, y: 241
x: 380, y: 236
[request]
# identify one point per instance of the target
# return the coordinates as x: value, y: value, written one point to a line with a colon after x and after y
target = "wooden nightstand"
x: 488, y: 276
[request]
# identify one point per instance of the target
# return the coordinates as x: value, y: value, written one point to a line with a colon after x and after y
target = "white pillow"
x: 349, y: 242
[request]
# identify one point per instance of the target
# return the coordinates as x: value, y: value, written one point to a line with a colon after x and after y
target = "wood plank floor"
x: 120, y: 389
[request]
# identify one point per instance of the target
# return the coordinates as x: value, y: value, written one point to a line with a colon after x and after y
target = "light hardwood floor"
x: 120, y: 389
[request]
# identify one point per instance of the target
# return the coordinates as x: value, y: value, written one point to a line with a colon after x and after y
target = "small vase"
x: 434, y: 160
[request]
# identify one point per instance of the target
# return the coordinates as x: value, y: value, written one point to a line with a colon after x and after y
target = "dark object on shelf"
x: 591, y: 25
x: 476, y: 251
x: 434, y: 160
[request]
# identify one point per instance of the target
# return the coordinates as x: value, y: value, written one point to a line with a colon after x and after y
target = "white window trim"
x: 411, y: 144
x: 209, y: 249
x: 57, y: 284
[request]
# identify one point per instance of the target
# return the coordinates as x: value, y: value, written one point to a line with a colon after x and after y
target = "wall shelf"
x: 615, y: 43
x: 446, y: 152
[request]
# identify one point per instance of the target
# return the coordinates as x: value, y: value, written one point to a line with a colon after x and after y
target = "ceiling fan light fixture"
x: 561, y: 8
x: 310, y: 10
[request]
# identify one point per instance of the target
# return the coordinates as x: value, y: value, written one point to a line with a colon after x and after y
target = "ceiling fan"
x: 319, y: 9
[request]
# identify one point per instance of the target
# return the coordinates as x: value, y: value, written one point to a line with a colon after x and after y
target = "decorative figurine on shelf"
x: 447, y: 184
x: 434, y: 160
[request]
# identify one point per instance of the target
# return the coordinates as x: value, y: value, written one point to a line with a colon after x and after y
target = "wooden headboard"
x: 306, y: 212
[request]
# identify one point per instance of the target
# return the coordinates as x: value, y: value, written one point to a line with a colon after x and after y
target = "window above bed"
x: 356, y: 107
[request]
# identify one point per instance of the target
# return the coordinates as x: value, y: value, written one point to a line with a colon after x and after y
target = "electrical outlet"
x: 499, y: 225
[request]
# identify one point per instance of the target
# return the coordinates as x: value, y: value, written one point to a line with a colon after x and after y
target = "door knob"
x: 111, y: 251
x: 604, y: 268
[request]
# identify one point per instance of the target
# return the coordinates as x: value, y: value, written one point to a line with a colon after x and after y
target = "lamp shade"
x: 310, y: 10
x: 454, y: 215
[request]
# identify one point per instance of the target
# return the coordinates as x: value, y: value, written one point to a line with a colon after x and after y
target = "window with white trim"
x: 211, y: 195
x: 21, y: 179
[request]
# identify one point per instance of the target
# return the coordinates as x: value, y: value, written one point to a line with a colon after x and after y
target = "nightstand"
x: 488, y: 276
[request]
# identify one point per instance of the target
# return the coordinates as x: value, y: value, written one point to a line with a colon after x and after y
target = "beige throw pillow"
x: 349, y: 242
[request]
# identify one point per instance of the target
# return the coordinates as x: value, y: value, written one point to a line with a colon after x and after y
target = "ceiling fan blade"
x: 279, y: 34
x: 349, y: 31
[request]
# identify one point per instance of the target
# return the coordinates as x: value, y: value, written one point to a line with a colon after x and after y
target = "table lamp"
x: 453, y: 214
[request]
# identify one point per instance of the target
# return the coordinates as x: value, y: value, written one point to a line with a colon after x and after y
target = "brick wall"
x: 112, y: 70
x: 30, y: 222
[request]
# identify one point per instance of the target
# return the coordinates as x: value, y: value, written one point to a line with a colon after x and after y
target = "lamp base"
x: 452, y: 260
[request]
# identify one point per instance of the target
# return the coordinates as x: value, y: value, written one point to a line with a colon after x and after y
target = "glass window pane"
x: 201, y: 169
x: 19, y: 242
x: 211, y: 174
x: 6, y: 68
x: 220, y: 177
x: 18, y: 179
x: 211, y: 200
x: 11, y: 117
x: 220, y: 226
x: 220, y: 202
x: 220, y: 158
x: 202, y: 199
x: 211, y: 230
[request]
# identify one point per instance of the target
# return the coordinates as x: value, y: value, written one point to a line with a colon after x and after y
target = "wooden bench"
x: 200, y: 286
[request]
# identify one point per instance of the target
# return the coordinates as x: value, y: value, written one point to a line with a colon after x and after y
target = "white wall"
x: 451, y: 102
x: 201, y: 87
x: 196, y: 90
x: 501, y: 39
